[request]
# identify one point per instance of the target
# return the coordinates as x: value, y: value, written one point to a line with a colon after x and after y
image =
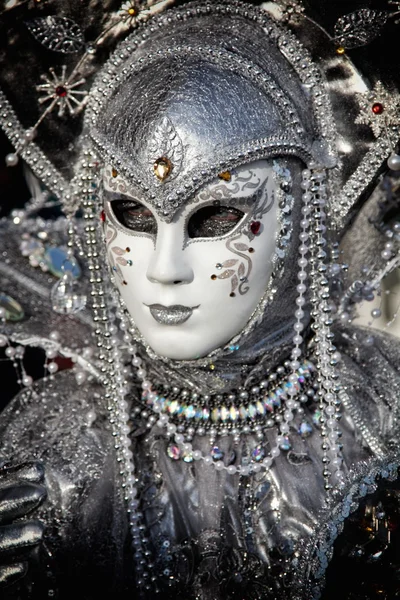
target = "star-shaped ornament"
x: 379, y: 109
x: 60, y: 91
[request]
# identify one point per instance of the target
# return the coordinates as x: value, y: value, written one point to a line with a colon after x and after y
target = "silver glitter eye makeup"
x: 213, y: 221
x: 134, y: 216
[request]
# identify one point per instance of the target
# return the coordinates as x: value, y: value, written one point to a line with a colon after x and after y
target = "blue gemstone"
x: 305, y: 429
x: 190, y: 412
x: 188, y: 457
x: 276, y: 398
x: 258, y: 454
x: 285, y: 445
x: 216, y: 453
x: 262, y: 490
x: 57, y: 262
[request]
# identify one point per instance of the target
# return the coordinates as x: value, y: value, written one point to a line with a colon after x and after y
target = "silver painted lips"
x: 171, y: 315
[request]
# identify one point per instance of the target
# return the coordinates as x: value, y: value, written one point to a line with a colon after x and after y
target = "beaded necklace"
x: 250, y: 412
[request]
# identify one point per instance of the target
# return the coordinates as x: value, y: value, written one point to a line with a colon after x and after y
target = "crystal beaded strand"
x: 111, y: 368
x: 292, y: 404
x: 329, y: 401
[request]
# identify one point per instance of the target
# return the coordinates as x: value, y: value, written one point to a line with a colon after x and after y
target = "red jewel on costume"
x: 102, y: 216
x: 61, y: 91
x: 255, y: 227
x: 378, y: 108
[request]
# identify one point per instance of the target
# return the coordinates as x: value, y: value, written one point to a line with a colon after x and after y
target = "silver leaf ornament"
x: 57, y: 33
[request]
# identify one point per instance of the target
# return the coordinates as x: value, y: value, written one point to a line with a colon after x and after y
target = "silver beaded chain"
x: 328, y: 389
x: 110, y: 356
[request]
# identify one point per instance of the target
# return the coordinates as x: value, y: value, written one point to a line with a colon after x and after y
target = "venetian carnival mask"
x: 191, y: 285
x: 234, y: 142
x: 193, y: 257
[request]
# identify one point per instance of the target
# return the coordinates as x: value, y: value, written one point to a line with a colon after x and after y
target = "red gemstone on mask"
x: 255, y: 227
x: 61, y: 91
x: 377, y: 108
x: 102, y: 216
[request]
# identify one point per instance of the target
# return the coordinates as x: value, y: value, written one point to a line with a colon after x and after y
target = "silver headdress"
x: 190, y: 94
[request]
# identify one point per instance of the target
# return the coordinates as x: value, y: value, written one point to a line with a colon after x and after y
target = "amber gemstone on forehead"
x: 225, y: 175
x: 162, y: 168
x: 114, y: 173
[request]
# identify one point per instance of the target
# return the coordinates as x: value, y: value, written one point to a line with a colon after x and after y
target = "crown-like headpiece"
x: 292, y: 90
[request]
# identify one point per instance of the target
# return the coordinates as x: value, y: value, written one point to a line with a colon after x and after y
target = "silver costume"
x: 180, y: 491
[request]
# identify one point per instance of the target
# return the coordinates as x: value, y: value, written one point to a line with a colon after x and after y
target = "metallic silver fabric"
x: 200, y: 520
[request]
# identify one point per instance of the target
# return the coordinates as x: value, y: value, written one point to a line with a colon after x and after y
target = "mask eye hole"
x: 134, y: 216
x: 213, y: 221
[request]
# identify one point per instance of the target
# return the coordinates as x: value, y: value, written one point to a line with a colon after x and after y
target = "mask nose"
x: 168, y: 264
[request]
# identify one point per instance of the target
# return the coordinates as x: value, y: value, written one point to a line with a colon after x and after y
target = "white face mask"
x: 191, y: 285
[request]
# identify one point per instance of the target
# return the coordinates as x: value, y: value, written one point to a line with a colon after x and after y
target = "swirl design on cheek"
x: 115, y: 254
x: 240, y: 274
